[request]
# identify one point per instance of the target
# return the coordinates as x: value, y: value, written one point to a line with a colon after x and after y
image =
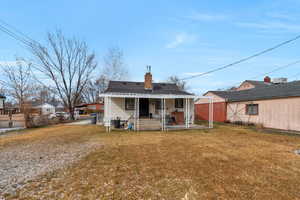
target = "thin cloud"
x: 9, y: 63
x: 197, y: 16
x: 271, y: 26
x: 192, y: 73
x: 283, y: 16
x: 180, y: 39
x: 187, y: 74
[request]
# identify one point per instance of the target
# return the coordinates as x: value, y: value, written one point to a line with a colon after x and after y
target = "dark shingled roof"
x: 274, y: 91
x: 138, y: 88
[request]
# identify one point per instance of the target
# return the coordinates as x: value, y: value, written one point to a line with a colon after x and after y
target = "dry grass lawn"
x: 224, y: 163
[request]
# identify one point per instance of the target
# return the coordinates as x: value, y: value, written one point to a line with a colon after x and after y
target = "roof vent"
x: 279, y: 80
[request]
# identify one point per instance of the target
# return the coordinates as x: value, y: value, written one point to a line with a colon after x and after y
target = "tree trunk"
x: 71, y: 111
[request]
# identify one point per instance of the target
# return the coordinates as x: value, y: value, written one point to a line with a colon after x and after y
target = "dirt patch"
x: 40, y: 151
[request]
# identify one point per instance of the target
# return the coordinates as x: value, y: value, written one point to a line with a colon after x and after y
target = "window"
x: 157, y: 104
x: 252, y: 109
x: 129, y: 104
x: 178, y: 103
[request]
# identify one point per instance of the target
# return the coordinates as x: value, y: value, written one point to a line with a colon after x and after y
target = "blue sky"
x: 176, y: 38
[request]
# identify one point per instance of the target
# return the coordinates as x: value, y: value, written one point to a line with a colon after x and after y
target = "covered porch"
x: 151, y: 112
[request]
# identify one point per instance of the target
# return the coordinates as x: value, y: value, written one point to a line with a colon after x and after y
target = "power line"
x: 14, y: 36
x: 294, y: 76
x: 244, y: 59
x: 17, y: 34
x: 274, y: 70
x: 278, y: 68
x: 16, y: 30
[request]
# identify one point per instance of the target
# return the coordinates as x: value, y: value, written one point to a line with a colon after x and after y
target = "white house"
x: 45, y: 109
x: 2, y: 100
x: 148, y: 105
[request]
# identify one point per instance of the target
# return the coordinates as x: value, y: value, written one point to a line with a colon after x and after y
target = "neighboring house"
x: 273, y: 104
x: 148, y: 105
x: 59, y: 107
x: 250, y: 84
x: 44, y: 109
x: 2, y: 100
x: 90, y: 108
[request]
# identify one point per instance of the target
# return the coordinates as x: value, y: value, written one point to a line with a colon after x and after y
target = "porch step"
x: 149, y: 124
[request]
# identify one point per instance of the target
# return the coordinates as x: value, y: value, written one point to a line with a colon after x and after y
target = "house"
x: 250, y: 84
x: 87, y: 108
x: 2, y: 100
x: 148, y: 105
x: 44, y: 109
x: 273, y: 104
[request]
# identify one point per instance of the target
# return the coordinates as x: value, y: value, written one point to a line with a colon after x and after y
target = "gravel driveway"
x: 24, y: 159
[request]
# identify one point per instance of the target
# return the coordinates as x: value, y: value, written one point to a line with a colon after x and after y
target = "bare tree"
x: 2, y: 89
x: 114, y: 69
x: 43, y: 94
x: 68, y: 64
x: 19, y: 82
x: 93, y: 89
x: 182, y: 85
x: 114, y: 65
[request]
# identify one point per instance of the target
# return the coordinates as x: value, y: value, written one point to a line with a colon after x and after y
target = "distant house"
x: 2, y: 101
x: 148, y: 105
x: 44, y: 109
x: 87, y: 108
x: 273, y: 104
x: 250, y: 84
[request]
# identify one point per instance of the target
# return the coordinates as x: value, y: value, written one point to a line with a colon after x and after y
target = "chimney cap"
x: 148, y: 68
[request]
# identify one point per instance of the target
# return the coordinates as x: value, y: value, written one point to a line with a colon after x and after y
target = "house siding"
x: 276, y: 113
x: 219, y: 108
x: 219, y: 111
x: 245, y: 86
x: 210, y: 94
x: 118, y: 109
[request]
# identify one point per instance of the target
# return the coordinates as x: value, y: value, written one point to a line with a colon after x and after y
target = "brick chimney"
x: 267, y: 79
x: 148, y: 79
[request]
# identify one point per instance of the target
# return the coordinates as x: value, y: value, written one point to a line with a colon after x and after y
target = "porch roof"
x: 138, y: 88
x: 151, y: 96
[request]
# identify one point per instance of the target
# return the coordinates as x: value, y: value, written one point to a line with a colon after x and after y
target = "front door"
x: 144, y: 107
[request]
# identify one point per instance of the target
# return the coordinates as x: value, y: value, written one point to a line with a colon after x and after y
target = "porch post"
x: 138, y: 114
x: 109, y: 114
x: 106, y: 113
x: 211, y: 113
x: 164, y: 125
x: 186, y: 114
x: 163, y: 114
x: 135, y: 114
